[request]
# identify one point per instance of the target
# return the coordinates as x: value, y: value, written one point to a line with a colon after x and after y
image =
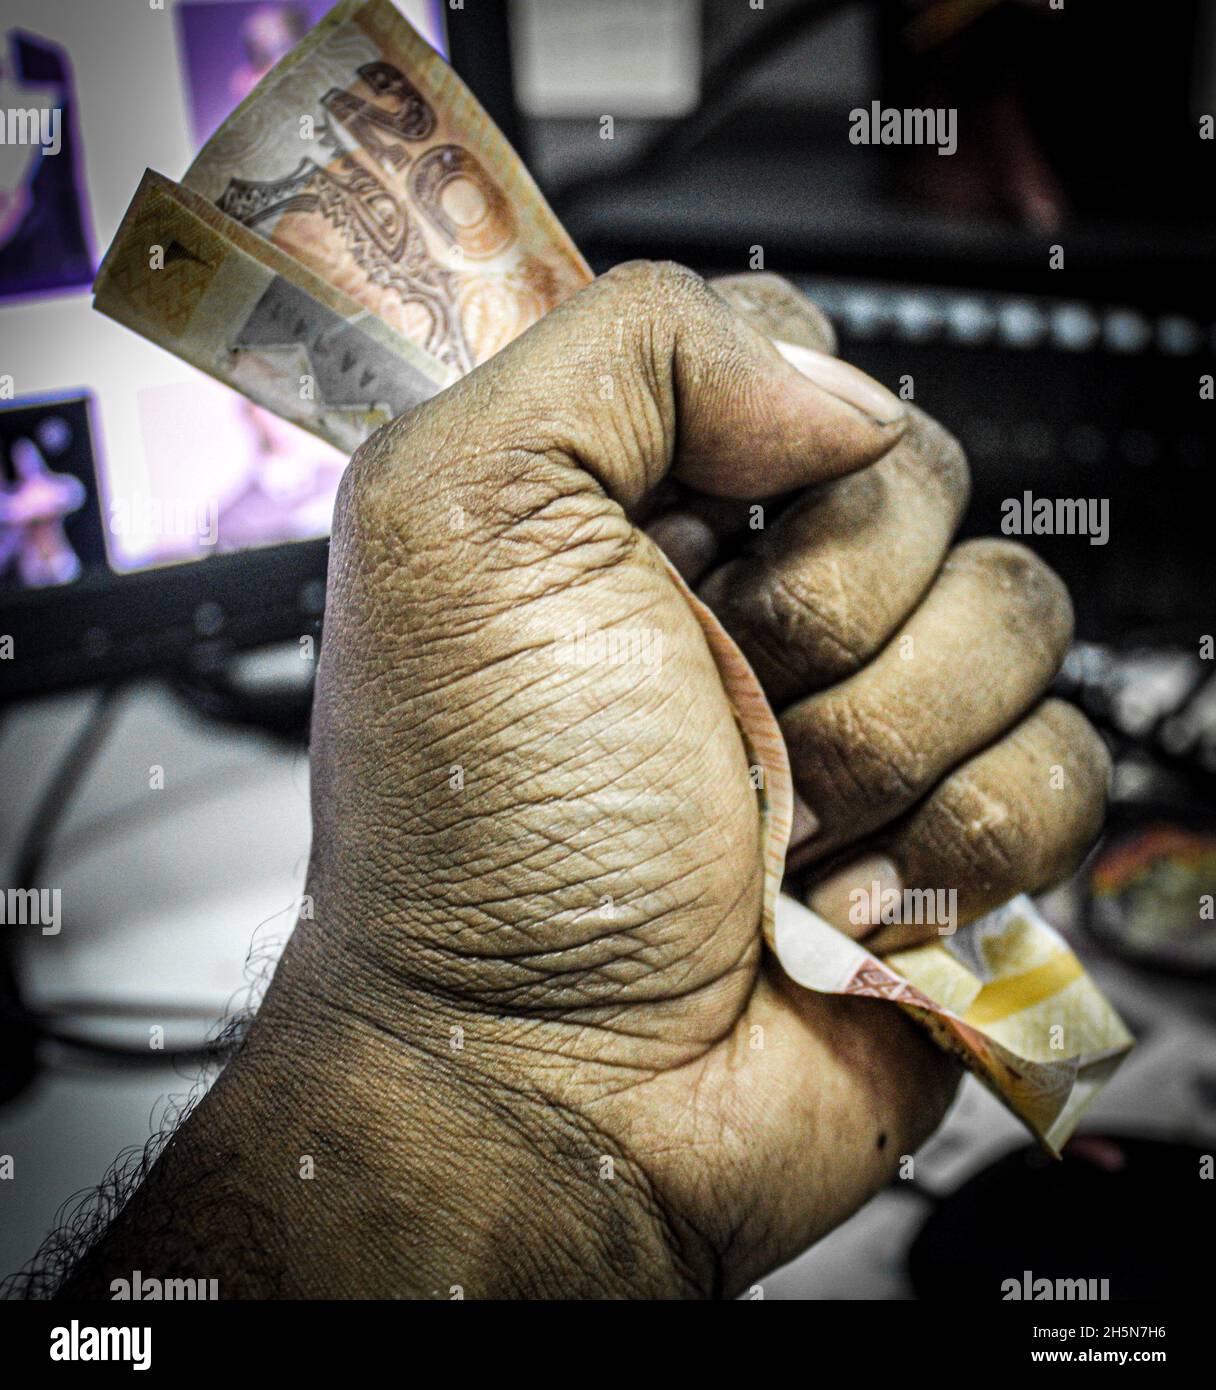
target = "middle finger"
x: 975, y: 656
x: 838, y: 572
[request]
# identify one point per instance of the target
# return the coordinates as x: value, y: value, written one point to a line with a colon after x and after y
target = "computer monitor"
x: 147, y: 512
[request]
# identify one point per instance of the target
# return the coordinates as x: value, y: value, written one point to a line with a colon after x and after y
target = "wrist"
x: 337, y: 1157
x: 449, y: 1174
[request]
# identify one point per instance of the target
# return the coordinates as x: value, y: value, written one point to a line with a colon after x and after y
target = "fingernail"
x: 845, y: 382
x: 851, y: 898
x: 687, y: 542
x: 803, y: 822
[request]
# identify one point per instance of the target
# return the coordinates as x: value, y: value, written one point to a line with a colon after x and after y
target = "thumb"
x: 649, y: 371
x: 824, y: 419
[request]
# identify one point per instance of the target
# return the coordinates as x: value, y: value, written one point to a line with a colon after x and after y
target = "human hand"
x: 530, y: 1020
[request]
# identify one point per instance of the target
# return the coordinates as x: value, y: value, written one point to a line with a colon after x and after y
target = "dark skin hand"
x: 530, y: 1038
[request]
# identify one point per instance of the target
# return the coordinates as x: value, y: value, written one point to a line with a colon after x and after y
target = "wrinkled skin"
x: 530, y: 1030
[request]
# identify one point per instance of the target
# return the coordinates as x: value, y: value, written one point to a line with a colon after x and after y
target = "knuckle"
x: 1078, y: 748
x: 821, y: 324
x: 766, y: 282
x: 673, y: 279
x: 989, y: 832
x: 778, y: 307
x: 658, y: 285
x: 628, y: 277
x: 868, y: 760
x: 1033, y: 599
x: 781, y: 288
x: 1009, y: 830
x: 361, y: 486
x: 1004, y: 560
x: 938, y: 456
x: 806, y: 627
x: 1073, y: 731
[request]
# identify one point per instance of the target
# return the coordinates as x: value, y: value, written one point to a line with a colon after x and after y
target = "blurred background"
x: 1046, y: 290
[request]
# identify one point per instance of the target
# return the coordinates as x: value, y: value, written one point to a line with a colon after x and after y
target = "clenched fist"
x: 530, y: 1034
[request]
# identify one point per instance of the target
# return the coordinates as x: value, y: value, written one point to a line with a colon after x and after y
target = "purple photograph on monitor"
x: 219, y: 474
x: 44, y: 241
x: 228, y: 46
x: 50, y: 529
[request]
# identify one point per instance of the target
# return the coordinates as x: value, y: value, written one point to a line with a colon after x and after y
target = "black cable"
x: 45, y: 1020
x: 282, y: 711
x: 64, y: 786
x: 723, y: 83
x: 124, y: 1008
x: 18, y: 1059
x: 22, y: 1029
x: 42, y: 1025
x: 25, y: 1027
x: 123, y: 1054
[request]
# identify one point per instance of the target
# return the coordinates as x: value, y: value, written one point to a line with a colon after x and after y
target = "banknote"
x: 363, y: 156
x: 359, y: 221
x: 1006, y: 995
x: 186, y: 276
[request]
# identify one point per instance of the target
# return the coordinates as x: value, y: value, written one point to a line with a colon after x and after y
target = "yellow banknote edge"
x: 1044, y: 1056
